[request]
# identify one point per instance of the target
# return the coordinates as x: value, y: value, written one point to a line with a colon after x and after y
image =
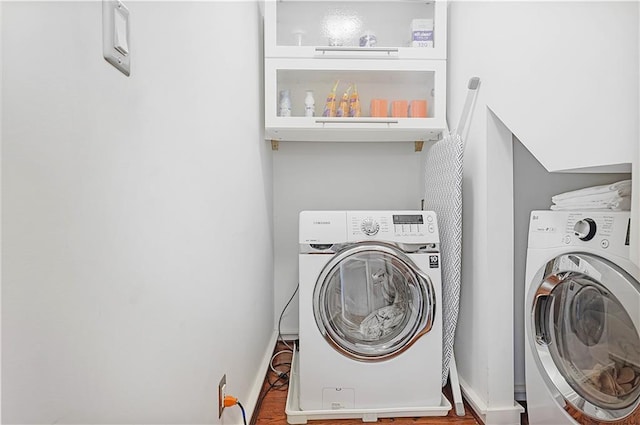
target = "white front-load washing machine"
x: 582, y: 316
x: 370, y: 310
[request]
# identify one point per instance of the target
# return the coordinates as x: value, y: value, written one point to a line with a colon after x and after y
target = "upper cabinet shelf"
x: 405, y: 29
x: 412, y: 82
x: 387, y: 57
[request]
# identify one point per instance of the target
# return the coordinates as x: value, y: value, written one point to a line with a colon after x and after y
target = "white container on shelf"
x: 309, y: 104
x: 284, y: 104
x: 422, y: 33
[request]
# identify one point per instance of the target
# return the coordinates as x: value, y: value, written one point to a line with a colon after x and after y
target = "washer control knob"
x: 585, y: 229
x: 369, y: 226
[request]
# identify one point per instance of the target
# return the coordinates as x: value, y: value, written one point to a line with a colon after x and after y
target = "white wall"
x: 563, y: 78
x: 339, y: 176
x: 137, y: 259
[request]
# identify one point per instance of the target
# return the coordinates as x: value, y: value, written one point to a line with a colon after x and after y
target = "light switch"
x: 120, y: 30
x: 116, y: 26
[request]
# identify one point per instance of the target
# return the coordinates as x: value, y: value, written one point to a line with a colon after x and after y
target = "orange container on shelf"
x: 418, y: 109
x: 399, y: 108
x: 379, y: 108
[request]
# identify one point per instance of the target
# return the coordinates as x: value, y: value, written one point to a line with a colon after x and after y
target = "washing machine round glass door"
x: 585, y: 317
x: 371, y: 302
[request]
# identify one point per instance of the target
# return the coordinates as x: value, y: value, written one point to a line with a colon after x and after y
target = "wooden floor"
x: 271, y: 410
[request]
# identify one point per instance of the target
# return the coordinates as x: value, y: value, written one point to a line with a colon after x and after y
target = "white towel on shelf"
x: 621, y: 188
x: 619, y: 203
x: 598, y: 197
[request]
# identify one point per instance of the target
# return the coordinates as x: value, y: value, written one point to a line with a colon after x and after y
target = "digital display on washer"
x: 408, y: 219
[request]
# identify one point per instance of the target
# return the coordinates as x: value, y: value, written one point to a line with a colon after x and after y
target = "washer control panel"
x: 369, y: 226
x: 336, y: 227
x: 409, y: 224
x: 393, y: 226
x: 585, y: 229
x: 594, y: 229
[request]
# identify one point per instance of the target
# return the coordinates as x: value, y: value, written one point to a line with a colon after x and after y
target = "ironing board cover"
x: 444, y: 170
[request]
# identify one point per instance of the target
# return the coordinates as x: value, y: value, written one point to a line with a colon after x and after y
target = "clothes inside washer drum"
x: 381, y: 322
x: 443, y: 194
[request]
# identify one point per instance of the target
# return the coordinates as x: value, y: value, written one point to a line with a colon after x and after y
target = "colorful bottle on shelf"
x: 343, y: 108
x: 354, y: 103
x: 330, y: 105
x: 309, y: 104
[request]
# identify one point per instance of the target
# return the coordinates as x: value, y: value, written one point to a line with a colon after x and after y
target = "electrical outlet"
x: 222, y: 392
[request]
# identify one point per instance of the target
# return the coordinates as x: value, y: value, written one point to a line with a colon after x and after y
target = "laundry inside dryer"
x: 595, y: 343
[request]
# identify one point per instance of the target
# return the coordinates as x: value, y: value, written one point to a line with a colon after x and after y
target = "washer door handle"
x: 429, y: 304
x: 541, y: 310
x: 543, y: 300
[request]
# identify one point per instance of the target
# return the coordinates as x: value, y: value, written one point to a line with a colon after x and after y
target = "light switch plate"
x: 116, y: 35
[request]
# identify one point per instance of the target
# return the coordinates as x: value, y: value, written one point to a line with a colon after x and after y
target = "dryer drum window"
x: 370, y: 303
x: 594, y: 343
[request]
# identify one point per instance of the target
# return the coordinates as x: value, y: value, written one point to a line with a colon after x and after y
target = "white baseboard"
x: 254, y: 393
x: 509, y: 415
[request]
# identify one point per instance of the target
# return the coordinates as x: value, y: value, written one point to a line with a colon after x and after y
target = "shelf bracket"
x: 275, y: 145
x: 419, y: 145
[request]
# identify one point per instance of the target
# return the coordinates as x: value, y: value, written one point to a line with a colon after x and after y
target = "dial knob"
x: 369, y: 227
x: 585, y: 229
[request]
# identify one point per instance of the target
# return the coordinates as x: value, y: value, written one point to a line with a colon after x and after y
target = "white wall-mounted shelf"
x: 298, y: 58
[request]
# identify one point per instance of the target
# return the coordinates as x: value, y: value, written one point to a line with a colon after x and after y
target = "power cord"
x: 232, y: 401
x: 280, y: 339
x: 284, y: 375
x: 282, y: 314
x: 282, y: 380
x: 272, y: 385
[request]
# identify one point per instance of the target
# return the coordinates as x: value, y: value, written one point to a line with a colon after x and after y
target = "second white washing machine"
x: 582, y: 316
x: 370, y: 310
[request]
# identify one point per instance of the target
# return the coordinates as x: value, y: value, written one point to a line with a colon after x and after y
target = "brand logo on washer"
x: 434, y: 262
x: 321, y: 222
